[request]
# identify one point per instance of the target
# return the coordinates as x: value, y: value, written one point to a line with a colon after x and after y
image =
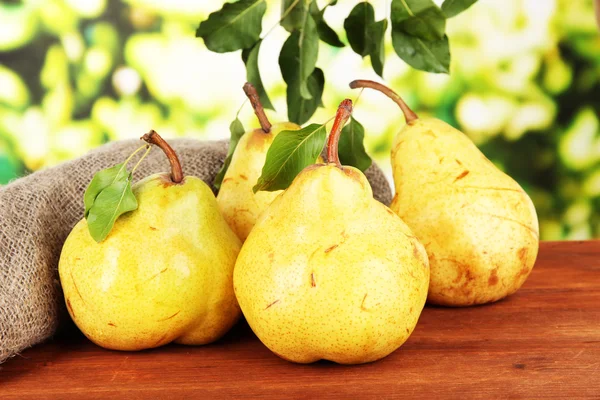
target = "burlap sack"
x: 38, y: 212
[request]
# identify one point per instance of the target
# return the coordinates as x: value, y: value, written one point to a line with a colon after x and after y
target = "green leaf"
x: 112, y: 202
x: 250, y: 58
x: 290, y: 153
x: 298, y: 56
x: 420, y: 18
x: 237, y: 131
x: 351, y: 147
x: 100, y: 181
x: 326, y: 34
x: 295, y: 17
x: 454, y: 7
x: 430, y: 56
x: 356, y: 25
x: 300, y: 109
x: 234, y: 27
x: 376, y: 35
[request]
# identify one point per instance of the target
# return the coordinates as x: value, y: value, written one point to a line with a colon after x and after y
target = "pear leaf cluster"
x: 237, y: 131
x: 108, y: 196
x: 417, y: 35
x: 290, y: 153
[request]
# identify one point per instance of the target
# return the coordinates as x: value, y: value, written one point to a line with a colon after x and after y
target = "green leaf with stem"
x: 290, y: 153
x: 234, y: 27
x: 351, y: 146
x: 422, y: 19
x: 298, y: 57
x: 112, y: 202
x: 326, y: 33
x: 300, y: 109
x: 356, y: 25
x: 430, y: 56
x: 454, y: 7
x: 104, y: 178
x: 250, y: 58
x: 376, y: 35
x: 237, y: 131
x: 101, y: 181
x: 293, y: 13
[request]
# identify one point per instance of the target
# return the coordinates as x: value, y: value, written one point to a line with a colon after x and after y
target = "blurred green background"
x: 524, y: 85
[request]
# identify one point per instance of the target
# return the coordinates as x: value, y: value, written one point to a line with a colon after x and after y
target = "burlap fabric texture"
x: 37, y: 213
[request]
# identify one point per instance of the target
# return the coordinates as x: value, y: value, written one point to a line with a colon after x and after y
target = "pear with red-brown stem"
x: 164, y: 272
x: 479, y: 227
x: 240, y: 206
x: 328, y: 272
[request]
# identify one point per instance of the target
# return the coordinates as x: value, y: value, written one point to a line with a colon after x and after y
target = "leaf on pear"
x: 250, y: 58
x: 300, y: 109
x: 293, y: 18
x: 376, y: 35
x: 234, y: 27
x: 237, y: 131
x: 112, y: 202
x: 326, y: 33
x: 298, y: 57
x: 100, y: 181
x: 430, y: 56
x: 290, y: 153
x: 356, y: 26
x: 351, y: 146
x: 422, y: 19
x: 454, y: 7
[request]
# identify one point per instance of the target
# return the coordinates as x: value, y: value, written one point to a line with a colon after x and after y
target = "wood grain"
x: 542, y: 342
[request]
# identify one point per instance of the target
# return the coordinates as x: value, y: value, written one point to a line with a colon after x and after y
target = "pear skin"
x: 479, y: 227
x: 163, y: 274
x: 330, y: 273
x: 239, y: 205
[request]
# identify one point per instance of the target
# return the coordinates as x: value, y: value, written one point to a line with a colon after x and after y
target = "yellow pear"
x: 479, y: 227
x: 240, y: 206
x: 163, y: 274
x: 330, y: 273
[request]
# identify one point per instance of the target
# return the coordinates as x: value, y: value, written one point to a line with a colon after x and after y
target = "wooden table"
x: 542, y: 342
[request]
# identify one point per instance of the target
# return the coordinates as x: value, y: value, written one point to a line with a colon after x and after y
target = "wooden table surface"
x: 542, y: 342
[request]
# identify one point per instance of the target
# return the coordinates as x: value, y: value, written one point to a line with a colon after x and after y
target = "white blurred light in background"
x: 126, y: 81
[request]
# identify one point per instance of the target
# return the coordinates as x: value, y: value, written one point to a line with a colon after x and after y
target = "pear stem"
x: 252, y: 95
x: 409, y: 114
x: 154, y: 138
x: 341, y: 117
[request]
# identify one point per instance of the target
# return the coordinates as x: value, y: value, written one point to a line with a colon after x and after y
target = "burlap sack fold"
x: 37, y: 213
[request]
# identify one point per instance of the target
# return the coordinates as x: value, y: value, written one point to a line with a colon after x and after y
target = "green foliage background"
x: 524, y: 85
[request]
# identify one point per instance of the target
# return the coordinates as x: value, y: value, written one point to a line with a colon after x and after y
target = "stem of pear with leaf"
x: 155, y: 139
x: 409, y: 114
x: 342, y: 115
